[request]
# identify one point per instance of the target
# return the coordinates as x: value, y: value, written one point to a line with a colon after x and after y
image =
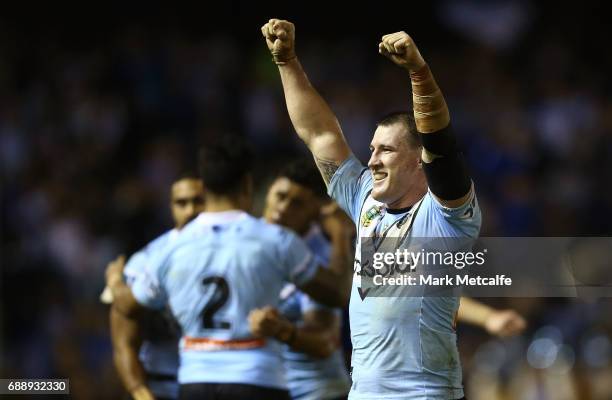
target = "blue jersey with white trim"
x: 403, y: 347
x: 221, y: 266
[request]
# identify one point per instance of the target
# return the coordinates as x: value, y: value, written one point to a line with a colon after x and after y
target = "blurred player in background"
x: 417, y: 186
x: 145, y: 349
x: 221, y: 266
x: 313, y: 358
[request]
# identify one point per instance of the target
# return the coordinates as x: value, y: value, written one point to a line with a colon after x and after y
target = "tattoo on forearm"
x: 327, y: 168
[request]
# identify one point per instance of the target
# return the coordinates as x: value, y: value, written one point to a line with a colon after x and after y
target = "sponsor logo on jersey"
x: 368, y: 216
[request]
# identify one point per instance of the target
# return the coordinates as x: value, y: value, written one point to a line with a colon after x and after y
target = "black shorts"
x: 230, y: 391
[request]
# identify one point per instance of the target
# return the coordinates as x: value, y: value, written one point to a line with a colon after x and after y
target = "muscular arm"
x: 443, y: 162
x: 126, y: 340
x: 313, y: 120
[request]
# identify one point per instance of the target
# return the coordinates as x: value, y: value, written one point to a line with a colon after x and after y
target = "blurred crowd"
x: 91, y: 136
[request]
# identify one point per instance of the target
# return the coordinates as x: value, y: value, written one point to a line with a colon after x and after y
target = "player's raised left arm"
x: 443, y: 162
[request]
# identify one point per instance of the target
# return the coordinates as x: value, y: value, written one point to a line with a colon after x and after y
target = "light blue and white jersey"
x: 311, y: 378
x: 159, y: 350
x: 403, y: 347
x: 221, y: 266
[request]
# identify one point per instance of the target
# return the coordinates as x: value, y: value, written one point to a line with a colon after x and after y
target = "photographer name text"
x: 446, y: 280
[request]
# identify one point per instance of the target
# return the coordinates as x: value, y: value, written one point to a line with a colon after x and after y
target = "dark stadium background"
x: 101, y: 106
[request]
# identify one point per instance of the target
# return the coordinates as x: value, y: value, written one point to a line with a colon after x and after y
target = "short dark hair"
x: 224, y: 163
x: 305, y: 173
x: 406, y: 119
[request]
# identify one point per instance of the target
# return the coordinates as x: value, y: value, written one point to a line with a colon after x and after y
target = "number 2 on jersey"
x: 217, y: 300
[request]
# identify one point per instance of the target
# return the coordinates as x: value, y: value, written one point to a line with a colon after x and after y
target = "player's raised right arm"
x: 313, y: 120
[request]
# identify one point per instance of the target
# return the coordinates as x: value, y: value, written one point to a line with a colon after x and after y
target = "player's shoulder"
x: 135, y: 265
x: 161, y: 241
x: 351, y: 169
x: 352, y: 163
x: 139, y: 260
x: 238, y: 224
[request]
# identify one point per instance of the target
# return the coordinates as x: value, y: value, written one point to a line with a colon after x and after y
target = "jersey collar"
x: 220, y: 217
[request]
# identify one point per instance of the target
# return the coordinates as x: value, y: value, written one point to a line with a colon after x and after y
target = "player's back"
x: 221, y: 267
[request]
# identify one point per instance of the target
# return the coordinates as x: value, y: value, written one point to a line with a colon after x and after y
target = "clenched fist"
x: 268, y: 322
x: 265, y: 321
x: 280, y: 38
x: 400, y: 48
